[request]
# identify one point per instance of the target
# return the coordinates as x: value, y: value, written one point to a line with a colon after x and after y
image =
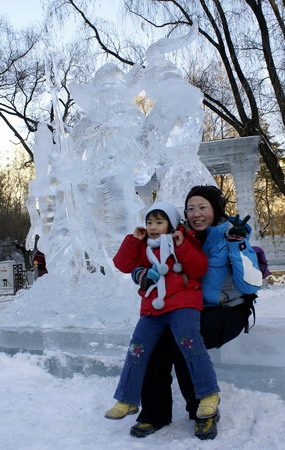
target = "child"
x: 173, y: 298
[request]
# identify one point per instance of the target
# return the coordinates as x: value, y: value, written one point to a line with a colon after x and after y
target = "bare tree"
x: 23, y: 82
x: 101, y: 35
x: 14, y: 182
x: 246, y: 36
x: 17, y: 82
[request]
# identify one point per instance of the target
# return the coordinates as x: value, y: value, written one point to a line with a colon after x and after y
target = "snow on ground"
x: 41, y: 412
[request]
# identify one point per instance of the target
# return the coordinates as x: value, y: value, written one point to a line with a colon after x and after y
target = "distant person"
x: 262, y: 261
x: 169, y: 267
x: 39, y: 263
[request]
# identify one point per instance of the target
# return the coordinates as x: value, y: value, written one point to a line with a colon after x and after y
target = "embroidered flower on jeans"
x: 186, y: 342
x: 136, y: 350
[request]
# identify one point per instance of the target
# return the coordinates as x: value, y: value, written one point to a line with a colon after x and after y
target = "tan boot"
x: 208, y: 406
x: 121, y: 410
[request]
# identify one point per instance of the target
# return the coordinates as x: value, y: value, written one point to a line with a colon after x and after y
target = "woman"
x: 229, y: 286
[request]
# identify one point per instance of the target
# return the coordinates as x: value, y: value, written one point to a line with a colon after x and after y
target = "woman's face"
x: 200, y: 213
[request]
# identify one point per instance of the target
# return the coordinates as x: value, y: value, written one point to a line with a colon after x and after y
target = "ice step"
x: 253, y: 361
x: 69, y: 351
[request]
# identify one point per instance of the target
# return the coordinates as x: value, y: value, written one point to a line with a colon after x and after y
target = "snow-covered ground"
x: 42, y: 412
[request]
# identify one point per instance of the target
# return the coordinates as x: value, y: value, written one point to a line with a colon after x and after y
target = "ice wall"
x: 83, y: 199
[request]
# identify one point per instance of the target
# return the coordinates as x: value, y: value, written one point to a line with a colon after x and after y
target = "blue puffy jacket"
x: 233, y: 267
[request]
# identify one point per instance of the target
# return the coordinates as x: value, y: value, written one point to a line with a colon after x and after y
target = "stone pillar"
x: 243, y: 168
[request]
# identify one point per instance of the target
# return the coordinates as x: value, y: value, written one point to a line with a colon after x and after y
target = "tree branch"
x: 270, y: 64
x: 22, y: 141
x: 98, y: 37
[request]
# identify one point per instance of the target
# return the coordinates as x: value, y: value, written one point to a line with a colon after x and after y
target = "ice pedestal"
x: 253, y: 361
x: 69, y: 351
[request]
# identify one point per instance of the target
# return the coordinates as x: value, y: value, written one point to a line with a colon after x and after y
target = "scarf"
x: 166, y: 245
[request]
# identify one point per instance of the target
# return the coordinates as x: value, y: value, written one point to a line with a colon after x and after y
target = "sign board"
x: 6, y: 275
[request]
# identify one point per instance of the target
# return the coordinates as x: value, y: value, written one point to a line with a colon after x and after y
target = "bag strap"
x: 249, y: 300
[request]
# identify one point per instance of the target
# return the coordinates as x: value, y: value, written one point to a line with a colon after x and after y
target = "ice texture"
x: 83, y: 200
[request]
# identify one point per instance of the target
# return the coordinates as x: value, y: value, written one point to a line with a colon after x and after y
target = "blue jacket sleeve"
x: 247, y: 275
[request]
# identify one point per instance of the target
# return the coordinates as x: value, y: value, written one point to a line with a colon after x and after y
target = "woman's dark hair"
x: 158, y: 214
x: 214, y: 195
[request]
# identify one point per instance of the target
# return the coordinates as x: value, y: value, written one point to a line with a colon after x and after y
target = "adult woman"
x: 226, y: 290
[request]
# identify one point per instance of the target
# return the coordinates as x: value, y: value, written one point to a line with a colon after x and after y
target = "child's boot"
x: 207, y: 428
x: 121, y: 410
x: 208, y: 406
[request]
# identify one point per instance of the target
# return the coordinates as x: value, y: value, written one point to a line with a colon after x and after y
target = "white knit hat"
x: 169, y: 210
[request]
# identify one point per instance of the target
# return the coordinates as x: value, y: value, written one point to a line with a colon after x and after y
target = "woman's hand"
x: 186, y: 226
x: 140, y: 233
x: 178, y: 238
x: 238, y: 231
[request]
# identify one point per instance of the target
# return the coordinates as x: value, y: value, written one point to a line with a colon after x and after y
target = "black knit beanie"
x: 213, y: 195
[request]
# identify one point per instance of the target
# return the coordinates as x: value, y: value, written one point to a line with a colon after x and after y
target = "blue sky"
x: 21, y: 13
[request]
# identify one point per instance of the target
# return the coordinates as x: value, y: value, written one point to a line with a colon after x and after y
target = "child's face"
x: 155, y: 226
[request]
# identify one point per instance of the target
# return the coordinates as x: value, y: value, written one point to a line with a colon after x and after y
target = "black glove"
x: 145, y: 277
x: 238, y: 231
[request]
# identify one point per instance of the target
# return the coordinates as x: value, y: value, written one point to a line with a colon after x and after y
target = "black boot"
x: 141, y: 430
x: 207, y: 428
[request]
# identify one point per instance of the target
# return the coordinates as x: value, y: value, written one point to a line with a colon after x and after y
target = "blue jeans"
x: 185, y: 326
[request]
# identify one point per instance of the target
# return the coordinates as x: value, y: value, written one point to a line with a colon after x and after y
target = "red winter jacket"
x: 181, y: 291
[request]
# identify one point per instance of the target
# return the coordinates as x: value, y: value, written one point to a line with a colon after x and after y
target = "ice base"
x: 254, y: 361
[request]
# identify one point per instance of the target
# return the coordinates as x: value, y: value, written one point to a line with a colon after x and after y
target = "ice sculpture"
x: 177, y: 118
x: 83, y: 200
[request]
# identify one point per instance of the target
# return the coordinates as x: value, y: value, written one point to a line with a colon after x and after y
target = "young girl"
x: 175, y: 300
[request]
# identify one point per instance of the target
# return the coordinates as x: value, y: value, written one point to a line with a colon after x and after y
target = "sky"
x: 20, y: 13
x: 23, y: 13
x: 41, y: 412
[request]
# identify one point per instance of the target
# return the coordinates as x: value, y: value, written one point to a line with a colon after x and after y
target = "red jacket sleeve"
x: 194, y: 261
x: 129, y: 255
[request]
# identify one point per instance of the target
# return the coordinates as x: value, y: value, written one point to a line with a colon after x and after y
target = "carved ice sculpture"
x: 175, y: 122
x: 83, y: 200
